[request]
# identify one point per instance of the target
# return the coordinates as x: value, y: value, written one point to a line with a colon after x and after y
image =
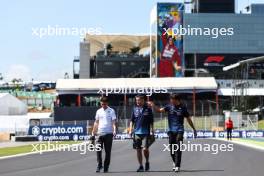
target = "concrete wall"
x: 84, y: 60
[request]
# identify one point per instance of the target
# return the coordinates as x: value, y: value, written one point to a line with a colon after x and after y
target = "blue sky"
x: 27, y: 56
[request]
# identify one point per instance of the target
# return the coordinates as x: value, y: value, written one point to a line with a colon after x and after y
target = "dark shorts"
x: 141, y: 139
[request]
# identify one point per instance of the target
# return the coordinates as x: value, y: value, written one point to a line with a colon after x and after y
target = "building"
x: 78, y: 99
x: 215, y: 37
x: 113, y: 56
x: 207, y: 36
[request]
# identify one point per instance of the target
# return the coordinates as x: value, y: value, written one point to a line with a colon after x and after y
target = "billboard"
x: 214, y: 63
x: 59, y: 132
x: 170, y: 57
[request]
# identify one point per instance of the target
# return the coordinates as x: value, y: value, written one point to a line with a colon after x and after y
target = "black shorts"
x: 140, y: 139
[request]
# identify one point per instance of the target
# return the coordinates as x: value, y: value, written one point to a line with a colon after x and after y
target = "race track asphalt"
x: 242, y: 161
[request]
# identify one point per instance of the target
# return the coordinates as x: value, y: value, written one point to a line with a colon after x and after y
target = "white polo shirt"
x: 105, y: 117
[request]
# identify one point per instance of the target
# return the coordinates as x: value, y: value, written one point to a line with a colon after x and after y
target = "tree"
x: 16, y: 82
x: 109, y: 48
x: 66, y: 76
x: 134, y: 50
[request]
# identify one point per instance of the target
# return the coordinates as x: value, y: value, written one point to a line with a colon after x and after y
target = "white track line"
x: 32, y: 153
x: 242, y: 143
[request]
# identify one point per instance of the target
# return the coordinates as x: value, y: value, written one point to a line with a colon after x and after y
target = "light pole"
x: 217, y: 116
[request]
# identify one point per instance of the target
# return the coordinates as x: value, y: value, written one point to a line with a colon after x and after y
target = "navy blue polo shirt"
x: 142, y: 118
x: 176, y: 116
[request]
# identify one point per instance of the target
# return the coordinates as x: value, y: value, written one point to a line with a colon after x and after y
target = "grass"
x: 261, y: 125
x: 253, y: 141
x: 199, y: 124
x: 160, y: 124
x: 8, y: 151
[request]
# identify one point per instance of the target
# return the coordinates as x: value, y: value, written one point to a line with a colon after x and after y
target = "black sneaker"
x: 105, y: 169
x: 98, y: 169
x: 147, y: 166
x: 140, y: 169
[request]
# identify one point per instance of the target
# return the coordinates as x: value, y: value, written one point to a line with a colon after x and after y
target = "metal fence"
x: 34, y: 99
x: 250, y: 122
x: 39, y: 102
x: 214, y: 123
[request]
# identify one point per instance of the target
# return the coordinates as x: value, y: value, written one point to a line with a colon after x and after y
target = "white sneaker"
x: 174, y: 167
x: 177, y: 169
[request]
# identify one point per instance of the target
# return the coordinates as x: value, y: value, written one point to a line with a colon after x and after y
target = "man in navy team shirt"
x: 176, y: 114
x: 142, y: 126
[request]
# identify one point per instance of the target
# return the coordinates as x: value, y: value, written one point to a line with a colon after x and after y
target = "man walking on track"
x: 105, y: 125
x: 229, y: 128
x: 176, y: 114
x: 142, y: 125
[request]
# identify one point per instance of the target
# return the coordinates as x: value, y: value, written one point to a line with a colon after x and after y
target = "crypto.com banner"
x: 59, y: 132
x: 206, y: 134
x: 219, y: 134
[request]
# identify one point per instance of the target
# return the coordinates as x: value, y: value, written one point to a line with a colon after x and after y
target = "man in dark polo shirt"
x: 176, y: 114
x: 142, y: 126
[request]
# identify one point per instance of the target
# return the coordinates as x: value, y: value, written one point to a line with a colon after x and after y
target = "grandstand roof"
x: 170, y: 84
x: 119, y: 42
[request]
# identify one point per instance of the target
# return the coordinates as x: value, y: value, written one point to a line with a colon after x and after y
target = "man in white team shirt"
x: 105, y: 127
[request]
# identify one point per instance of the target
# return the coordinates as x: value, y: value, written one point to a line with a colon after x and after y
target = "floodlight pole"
x: 217, y: 101
x: 125, y: 106
x: 194, y: 102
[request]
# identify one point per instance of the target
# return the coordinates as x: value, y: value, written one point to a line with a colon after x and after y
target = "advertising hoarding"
x: 170, y: 57
x: 59, y: 132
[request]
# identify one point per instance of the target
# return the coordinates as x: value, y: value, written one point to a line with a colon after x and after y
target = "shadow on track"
x: 211, y: 170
